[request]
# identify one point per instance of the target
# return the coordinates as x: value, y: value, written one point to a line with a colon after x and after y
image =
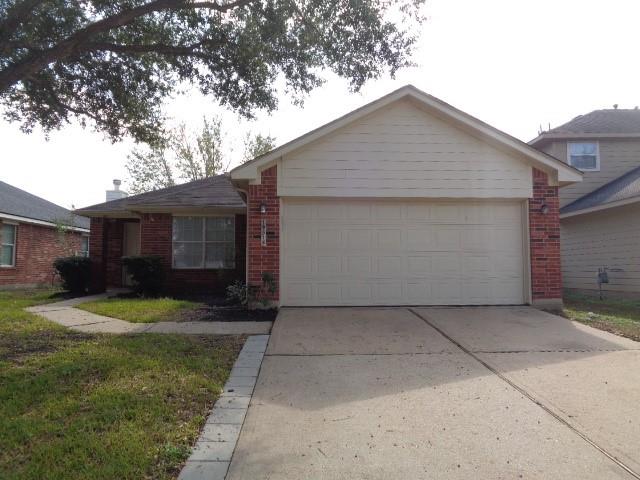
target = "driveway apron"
x: 386, y: 393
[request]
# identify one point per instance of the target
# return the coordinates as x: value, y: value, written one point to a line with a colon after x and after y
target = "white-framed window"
x: 8, y: 245
x: 584, y: 156
x: 204, y: 242
x: 84, y: 246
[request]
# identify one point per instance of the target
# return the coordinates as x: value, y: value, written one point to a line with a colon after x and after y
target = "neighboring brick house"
x: 600, y: 217
x: 405, y: 201
x: 33, y: 233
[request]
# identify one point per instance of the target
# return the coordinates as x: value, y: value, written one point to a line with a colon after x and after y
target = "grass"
x: 139, y: 310
x: 76, y: 406
x: 621, y: 317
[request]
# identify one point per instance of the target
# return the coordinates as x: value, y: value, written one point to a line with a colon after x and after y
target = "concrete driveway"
x: 439, y: 393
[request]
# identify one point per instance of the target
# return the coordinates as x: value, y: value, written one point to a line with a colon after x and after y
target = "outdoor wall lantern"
x: 263, y: 208
x: 544, y: 208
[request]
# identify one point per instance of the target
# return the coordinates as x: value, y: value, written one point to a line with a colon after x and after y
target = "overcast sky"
x: 516, y: 65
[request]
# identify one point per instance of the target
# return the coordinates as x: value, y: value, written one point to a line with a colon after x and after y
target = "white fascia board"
x: 33, y: 221
x: 598, y: 208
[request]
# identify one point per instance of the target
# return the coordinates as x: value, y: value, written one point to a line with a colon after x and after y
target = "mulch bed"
x: 216, y: 309
x: 228, y: 313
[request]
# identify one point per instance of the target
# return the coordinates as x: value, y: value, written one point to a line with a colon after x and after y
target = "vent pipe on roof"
x: 116, y: 193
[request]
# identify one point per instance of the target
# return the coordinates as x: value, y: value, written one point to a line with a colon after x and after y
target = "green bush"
x: 147, y: 273
x: 75, y: 273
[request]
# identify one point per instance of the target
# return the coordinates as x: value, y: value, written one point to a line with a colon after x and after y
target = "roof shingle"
x: 214, y: 191
x: 14, y: 201
x: 608, y: 121
x: 622, y: 188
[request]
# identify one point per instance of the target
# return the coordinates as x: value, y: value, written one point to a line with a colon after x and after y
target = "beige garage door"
x: 363, y: 252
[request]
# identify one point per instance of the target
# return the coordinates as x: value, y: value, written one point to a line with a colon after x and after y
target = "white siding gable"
x: 401, y: 151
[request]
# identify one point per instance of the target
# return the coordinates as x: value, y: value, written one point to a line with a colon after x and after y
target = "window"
x: 84, y: 246
x: 8, y: 245
x: 584, y: 155
x: 204, y: 242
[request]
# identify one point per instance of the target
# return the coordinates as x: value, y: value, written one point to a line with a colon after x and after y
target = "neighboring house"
x: 33, y: 233
x: 405, y: 201
x: 600, y: 217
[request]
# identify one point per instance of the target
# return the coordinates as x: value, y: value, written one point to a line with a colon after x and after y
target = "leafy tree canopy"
x: 188, y: 156
x: 112, y: 64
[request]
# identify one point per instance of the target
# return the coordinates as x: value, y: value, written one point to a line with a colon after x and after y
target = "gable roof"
x: 599, y: 123
x: 211, y: 192
x: 18, y: 203
x: 621, y: 191
x: 559, y: 171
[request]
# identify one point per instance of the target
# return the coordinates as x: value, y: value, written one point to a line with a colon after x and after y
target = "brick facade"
x: 156, y: 239
x: 156, y: 232
x: 264, y: 258
x: 544, y: 241
x: 97, y: 254
x: 37, y: 246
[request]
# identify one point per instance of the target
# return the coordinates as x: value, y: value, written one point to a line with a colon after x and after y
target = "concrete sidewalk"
x: 64, y: 313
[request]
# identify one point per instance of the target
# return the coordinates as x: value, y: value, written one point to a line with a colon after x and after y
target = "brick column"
x: 544, y: 240
x: 155, y: 236
x: 264, y: 258
x: 97, y: 254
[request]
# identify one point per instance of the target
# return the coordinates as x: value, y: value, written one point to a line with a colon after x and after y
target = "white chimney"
x: 116, y: 193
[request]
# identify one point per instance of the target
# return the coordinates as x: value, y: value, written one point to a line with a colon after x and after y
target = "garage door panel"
x: 328, y: 294
x: 390, y: 266
x: 328, y: 238
x: 419, y: 266
x: 420, y: 238
x: 360, y: 239
x: 358, y: 211
x: 358, y: 252
x: 299, y: 237
x: 299, y: 265
x: 388, y: 238
x: 358, y: 266
x: 329, y: 265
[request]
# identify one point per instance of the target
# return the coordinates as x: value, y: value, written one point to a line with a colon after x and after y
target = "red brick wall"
x: 544, y: 238
x: 263, y: 259
x: 37, y: 247
x: 156, y: 238
x: 97, y: 254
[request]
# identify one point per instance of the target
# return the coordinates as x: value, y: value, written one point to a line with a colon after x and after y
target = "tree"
x: 113, y: 64
x: 186, y: 156
x: 257, y: 145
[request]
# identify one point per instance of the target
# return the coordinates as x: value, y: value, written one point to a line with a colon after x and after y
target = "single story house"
x: 405, y: 201
x: 33, y: 233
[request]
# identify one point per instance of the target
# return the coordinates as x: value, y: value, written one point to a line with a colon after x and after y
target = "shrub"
x: 147, y: 273
x: 75, y: 273
x: 238, y: 292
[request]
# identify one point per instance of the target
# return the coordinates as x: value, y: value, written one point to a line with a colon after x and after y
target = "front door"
x: 131, y: 246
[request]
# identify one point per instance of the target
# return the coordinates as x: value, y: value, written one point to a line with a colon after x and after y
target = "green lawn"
x: 77, y: 406
x: 139, y: 310
x: 621, y: 317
